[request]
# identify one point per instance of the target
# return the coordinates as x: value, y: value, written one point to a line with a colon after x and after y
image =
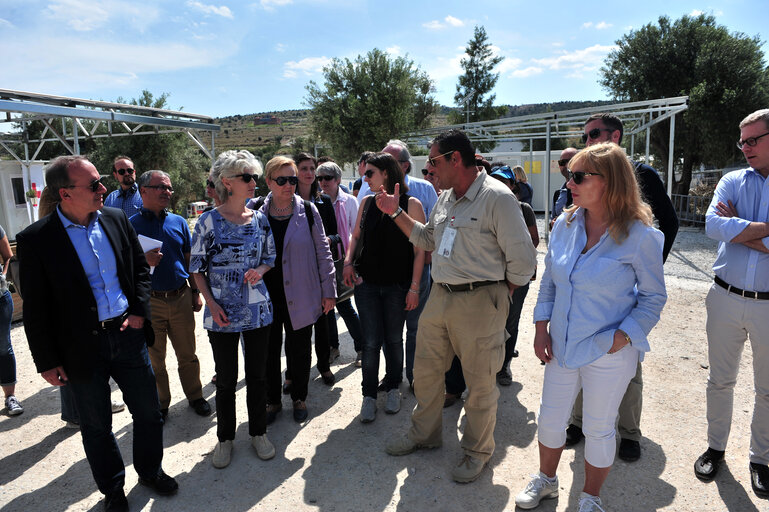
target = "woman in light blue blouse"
x: 602, y: 291
x: 232, y: 249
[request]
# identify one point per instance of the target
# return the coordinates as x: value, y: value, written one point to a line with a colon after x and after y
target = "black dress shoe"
x: 201, y: 407
x: 272, y: 412
x: 287, y: 387
x: 629, y: 450
x: 300, y: 411
x: 116, y: 501
x: 759, y: 479
x: 706, y: 466
x: 573, y: 435
x: 328, y: 378
x: 161, y: 484
x: 449, y: 399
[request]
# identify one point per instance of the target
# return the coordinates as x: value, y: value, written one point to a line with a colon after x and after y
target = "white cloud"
x: 5, y: 23
x: 588, y: 59
x: 394, y: 50
x: 696, y: 12
x: 526, y: 72
x: 601, y: 25
x: 445, y: 67
x: 587, y: 24
x: 509, y: 64
x: 90, y: 15
x: 308, y: 66
x: 270, y: 5
x: 448, y: 21
x: 280, y: 47
x: 222, y: 10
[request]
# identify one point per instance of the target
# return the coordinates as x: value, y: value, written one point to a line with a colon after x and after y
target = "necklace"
x: 287, y: 209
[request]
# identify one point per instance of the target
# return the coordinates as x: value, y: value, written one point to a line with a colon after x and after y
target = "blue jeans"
x: 351, y: 320
x: 412, y: 322
x: 122, y: 355
x: 7, y: 358
x: 382, y: 316
x: 455, y: 379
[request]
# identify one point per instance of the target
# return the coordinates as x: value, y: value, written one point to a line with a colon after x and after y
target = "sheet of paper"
x: 148, y: 244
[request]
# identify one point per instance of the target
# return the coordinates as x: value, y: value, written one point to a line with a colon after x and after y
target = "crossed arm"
x: 750, y: 236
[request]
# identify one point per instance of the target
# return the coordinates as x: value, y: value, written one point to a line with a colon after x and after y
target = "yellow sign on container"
x: 537, y: 167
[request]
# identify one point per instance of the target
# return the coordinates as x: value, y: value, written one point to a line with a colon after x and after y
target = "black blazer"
x: 60, y: 314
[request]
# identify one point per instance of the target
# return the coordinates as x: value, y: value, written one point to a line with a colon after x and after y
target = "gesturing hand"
x: 388, y: 203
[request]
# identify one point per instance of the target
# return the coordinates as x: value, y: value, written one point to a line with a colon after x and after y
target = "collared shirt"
x: 587, y: 297
x: 419, y: 188
x: 130, y: 201
x: 98, y: 260
x: 737, y: 264
x: 172, y: 230
x: 491, y: 242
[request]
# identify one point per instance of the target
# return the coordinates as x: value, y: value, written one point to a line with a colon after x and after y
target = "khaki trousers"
x: 173, y: 318
x: 471, y: 325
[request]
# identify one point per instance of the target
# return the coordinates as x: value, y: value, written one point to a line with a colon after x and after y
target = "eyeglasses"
x: 368, y: 174
x: 564, y: 161
x: 579, y: 176
x: 326, y: 178
x: 594, y: 133
x: 246, y: 177
x: 123, y: 171
x: 282, y: 180
x: 161, y: 187
x: 210, y: 184
x: 94, y: 185
x: 431, y: 160
x: 750, y: 141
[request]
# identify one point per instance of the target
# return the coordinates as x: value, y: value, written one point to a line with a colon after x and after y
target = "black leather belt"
x: 171, y: 293
x: 742, y: 293
x: 452, y: 288
x: 113, y: 323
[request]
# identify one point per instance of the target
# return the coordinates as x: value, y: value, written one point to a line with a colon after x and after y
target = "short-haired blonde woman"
x: 602, y: 291
x: 302, y: 284
x: 232, y: 250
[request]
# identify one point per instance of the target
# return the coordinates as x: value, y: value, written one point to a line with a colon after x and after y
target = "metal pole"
x: 76, y: 141
x: 546, y: 191
x: 671, y: 153
x: 648, y: 135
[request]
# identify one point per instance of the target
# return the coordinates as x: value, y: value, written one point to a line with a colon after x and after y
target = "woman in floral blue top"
x: 232, y: 249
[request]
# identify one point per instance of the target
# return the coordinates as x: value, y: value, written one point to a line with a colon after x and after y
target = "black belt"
x: 171, y: 293
x: 742, y: 293
x: 465, y: 287
x: 113, y: 323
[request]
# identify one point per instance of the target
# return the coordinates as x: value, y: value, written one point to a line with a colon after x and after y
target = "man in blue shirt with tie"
x: 127, y: 196
x: 738, y: 302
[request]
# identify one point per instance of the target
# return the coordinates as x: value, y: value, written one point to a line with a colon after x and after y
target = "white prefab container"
x: 16, y: 212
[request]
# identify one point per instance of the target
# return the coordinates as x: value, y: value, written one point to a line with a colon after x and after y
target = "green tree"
x: 475, y: 85
x: 364, y: 103
x: 723, y: 74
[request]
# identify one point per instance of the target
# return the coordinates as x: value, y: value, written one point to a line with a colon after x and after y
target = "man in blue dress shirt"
x: 173, y: 303
x: 738, y: 302
x: 127, y: 197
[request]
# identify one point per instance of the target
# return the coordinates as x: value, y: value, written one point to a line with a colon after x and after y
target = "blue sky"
x: 227, y: 57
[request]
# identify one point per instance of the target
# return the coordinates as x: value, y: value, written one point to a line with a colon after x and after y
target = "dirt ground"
x: 334, y: 463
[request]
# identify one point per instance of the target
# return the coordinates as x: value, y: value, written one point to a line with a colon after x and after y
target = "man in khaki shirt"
x: 481, y: 252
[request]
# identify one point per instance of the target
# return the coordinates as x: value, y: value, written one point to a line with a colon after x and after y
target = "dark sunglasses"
x: 123, y: 171
x: 594, y: 133
x: 368, y: 174
x: 432, y: 160
x: 210, y: 184
x: 564, y: 161
x: 282, y: 180
x: 94, y: 185
x: 579, y: 176
x: 246, y: 177
x: 160, y: 187
x: 326, y: 178
x: 425, y: 172
x: 750, y: 141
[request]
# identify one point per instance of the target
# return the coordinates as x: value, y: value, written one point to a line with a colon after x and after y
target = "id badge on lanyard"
x: 447, y: 241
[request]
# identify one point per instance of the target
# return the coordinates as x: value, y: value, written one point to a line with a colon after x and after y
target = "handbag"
x: 343, y: 292
x: 356, y: 254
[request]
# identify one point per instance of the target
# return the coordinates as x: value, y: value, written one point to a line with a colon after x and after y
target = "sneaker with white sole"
x: 590, y: 503
x: 264, y: 448
x: 222, y: 454
x: 368, y: 410
x: 393, y: 403
x: 538, y: 489
x: 359, y: 359
x: 13, y: 406
x: 117, y: 406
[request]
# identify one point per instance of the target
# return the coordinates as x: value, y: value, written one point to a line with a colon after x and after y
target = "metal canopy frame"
x: 63, y: 119
x: 637, y: 117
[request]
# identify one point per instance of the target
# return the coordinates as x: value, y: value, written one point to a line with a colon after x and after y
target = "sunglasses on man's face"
x: 326, y: 178
x: 282, y: 180
x: 564, y: 162
x: 594, y: 133
x: 432, y: 160
x: 94, y: 185
x: 579, y: 176
x: 126, y: 170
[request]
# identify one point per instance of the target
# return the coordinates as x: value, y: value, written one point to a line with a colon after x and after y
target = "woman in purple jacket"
x: 302, y: 284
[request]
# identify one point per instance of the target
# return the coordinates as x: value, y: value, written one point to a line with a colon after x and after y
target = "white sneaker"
x: 222, y: 454
x: 536, y: 490
x: 393, y: 403
x: 117, y: 406
x: 264, y: 448
x: 589, y: 503
x: 13, y: 406
x: 368, y: 410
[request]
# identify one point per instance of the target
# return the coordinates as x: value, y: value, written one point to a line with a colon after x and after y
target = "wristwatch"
x: 396, y: 213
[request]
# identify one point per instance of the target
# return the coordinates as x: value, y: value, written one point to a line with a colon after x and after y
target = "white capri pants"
x: 603, y: 382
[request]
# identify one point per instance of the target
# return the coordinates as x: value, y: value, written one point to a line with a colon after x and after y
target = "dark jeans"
x: 511, y: 326
x: 298, y: 355
x: 122, y: 355
x: 7, y: 358
x: 68, y: 408
x: 412, y: 322
x: 351, y: 320
x: 322, y: 348
x: 455, y: 379
x: 225, y: 348
x: 382, y: 316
